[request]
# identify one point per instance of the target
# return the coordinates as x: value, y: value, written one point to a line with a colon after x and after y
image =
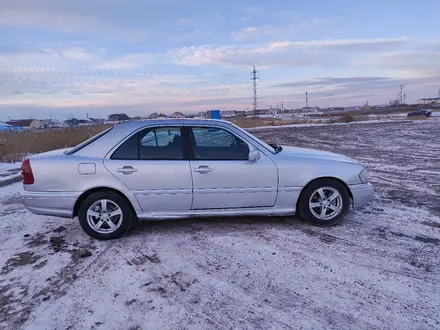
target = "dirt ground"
x: 377, y: 270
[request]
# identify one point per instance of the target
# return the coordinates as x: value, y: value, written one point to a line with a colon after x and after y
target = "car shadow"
x: 217, y: 224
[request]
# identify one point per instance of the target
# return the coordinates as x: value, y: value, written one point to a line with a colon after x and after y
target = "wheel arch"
x: 91, y: 191
x: 318, y: 179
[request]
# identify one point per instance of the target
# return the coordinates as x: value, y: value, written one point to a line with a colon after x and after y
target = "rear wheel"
x: 105, y: 215
x: 324, y: 202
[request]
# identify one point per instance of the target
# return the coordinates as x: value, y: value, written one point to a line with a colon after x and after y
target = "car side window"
x: 128, y: 150
x: 211, y: 143
x: 163, y: 143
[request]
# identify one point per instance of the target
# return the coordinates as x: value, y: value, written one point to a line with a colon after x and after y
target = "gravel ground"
x: 377, y: 270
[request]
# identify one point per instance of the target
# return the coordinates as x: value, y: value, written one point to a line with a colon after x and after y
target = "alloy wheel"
x: 104, y: 216
x: 326, y: 203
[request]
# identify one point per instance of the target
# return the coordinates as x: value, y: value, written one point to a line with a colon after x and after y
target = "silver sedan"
x: 164, y: 169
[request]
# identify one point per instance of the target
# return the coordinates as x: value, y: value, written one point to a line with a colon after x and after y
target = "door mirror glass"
x: 254, y: 155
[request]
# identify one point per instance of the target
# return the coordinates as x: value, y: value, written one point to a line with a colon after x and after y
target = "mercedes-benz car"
x: 176, y: 168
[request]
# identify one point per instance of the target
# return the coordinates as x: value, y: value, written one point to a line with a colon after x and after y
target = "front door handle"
x: 203, y: 169
x: 127, y: 170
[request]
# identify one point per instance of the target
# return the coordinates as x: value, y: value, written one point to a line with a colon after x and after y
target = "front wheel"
x: 324, y: 202
x: 105, y: 215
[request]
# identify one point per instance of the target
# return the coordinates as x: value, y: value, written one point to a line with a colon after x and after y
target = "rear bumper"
x: 362, y: 194
x: 58, y: 204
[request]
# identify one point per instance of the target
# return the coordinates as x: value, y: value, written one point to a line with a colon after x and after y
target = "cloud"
x: 251, y: 31
x: 279, y: 31
x: 101, y: 96
x: 78, y: 77
x: 86, y: 78
x: 415, y: 62
x: 115, y: 20
x: 62, y: 60
x: 72, y: 56
x: 369, y: 45
x: 328, y: 81
x: 129, y: 61
x: 283, y: 53
x: 346, y: 90
x: 68, y: 22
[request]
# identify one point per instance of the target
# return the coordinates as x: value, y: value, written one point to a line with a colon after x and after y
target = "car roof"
x: 172, y: 121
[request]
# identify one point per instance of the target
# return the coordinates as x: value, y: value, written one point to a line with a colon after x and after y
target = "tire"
x: 110, y: 212
x: 335, y: 210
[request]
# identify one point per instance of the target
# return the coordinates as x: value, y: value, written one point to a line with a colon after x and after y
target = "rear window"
x: 87, y: 142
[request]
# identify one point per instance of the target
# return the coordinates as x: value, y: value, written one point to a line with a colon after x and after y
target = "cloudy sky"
x: 68, y: 58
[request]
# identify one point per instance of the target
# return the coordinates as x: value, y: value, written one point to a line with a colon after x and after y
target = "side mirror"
x: 254, y: 155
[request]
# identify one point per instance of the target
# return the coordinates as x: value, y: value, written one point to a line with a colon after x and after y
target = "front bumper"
x: 362, y: 194
x: 58, y: 204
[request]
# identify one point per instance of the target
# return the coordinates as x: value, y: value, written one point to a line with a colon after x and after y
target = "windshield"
x: 87, y: 142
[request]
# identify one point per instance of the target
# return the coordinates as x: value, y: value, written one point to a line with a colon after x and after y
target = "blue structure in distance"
x: 214, y: 114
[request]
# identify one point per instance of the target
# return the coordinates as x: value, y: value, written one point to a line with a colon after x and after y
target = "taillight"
x: 26, y: 172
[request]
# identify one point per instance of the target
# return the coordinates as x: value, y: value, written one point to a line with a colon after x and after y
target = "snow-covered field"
x: 378, y: 270
x: 9, y: 172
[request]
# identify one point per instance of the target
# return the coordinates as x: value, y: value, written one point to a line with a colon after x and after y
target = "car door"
x: 153, y: 165
x: 223, y: 177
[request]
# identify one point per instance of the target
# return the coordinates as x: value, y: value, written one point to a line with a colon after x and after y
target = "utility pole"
x: 282, y: 105
x: 307, y: 100
x: 254, y: 85
x: 401, y: 96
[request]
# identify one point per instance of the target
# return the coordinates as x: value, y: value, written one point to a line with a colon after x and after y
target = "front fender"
x: 299, y: 172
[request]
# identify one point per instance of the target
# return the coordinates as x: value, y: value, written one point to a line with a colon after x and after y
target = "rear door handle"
x: 203, y: 169
x: 127, y: 170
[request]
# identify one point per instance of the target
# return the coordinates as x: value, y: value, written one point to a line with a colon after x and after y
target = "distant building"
x: 430, y: 100
x: 36, y: 123
x: 118, y: 117
x: 228, y: 114
x: 156, y: 115
x: 311, y: 109
x: 265, y: 112
x: 213, y: 114
x: 23, y: 123
x: 241, y: 114
x: 26, y: 123
x: 201, y: 114
x: 178, y: 114
x: 96, y: 120
x: 74, y: 121
x: 6, y: 127
x: 49, y: 123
